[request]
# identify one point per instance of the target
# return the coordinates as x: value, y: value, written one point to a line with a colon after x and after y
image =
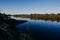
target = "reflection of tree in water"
x: 53, y: 20
x: 47, y: 20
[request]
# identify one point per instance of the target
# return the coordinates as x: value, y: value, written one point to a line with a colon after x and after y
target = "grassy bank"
x: 41, y: 16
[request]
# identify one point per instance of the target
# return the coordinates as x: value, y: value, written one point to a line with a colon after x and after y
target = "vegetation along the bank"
x: 46, y: 16
x: 8, y: 30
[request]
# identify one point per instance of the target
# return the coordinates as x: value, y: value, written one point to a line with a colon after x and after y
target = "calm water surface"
x: 41, y: 29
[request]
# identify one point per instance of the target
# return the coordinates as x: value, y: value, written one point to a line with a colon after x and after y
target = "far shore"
x: 40, y: 16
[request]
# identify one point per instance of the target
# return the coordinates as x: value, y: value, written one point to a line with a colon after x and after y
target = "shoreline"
x: 8, y: 31
x: 40, y: 16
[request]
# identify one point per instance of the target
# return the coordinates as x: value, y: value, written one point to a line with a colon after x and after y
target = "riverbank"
x: 40, y: 16
x: 8, y: 30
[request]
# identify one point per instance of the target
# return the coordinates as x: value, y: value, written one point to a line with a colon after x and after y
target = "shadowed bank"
x: 8, y: 29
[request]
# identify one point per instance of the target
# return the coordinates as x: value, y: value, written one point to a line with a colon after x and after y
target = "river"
x: 40, y: 29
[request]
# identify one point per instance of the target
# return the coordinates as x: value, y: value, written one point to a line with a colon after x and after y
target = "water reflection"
x: 42, y: 29
x: 19, y: 18
x: 47, y: 20
x: 29, y: 19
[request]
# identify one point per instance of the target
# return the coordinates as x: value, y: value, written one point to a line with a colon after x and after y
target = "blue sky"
x: 29, y: 6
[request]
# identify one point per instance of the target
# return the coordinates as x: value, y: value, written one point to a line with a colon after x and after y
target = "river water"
x: 40, y: 29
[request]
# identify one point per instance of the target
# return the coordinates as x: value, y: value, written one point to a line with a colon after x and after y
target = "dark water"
x: 41, y: 29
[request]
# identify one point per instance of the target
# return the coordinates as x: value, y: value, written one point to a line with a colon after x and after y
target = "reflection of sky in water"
x: 41, y: 29
x: 18, y: 18
x: 22, y: 27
